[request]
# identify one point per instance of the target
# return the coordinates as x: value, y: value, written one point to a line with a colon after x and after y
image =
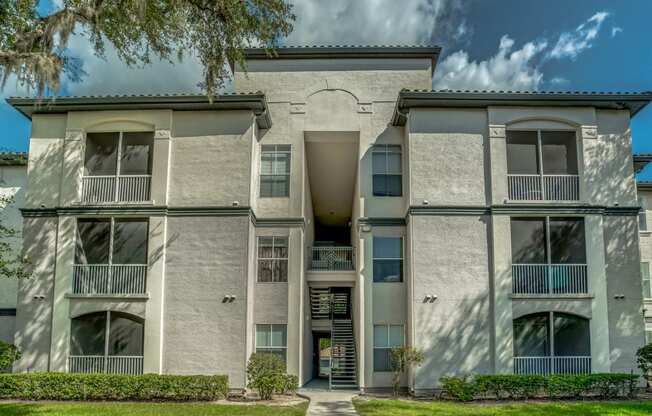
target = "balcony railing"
x: 552, y: 365
x: 112, y: 364
x: 122, y: 188
x: 109, y: 279
x: 550, y: 279
x: 543, y: 187
x: 331, y: 258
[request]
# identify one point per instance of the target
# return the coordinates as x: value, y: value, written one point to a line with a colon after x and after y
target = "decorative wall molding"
x: 365, y: 108
x: 297, y: 108
x: 589, y: 132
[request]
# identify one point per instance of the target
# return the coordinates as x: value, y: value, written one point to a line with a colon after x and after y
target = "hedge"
x: 522, y: 386
x: 63, y: 386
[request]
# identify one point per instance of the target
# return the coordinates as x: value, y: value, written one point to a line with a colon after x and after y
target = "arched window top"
x: 558, y: 334
x: 542, y: 123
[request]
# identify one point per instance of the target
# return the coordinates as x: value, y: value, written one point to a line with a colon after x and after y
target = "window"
x: 645, y: 276
x: 541, y: 153
x: 272, y: 259
x: 549, y: 240
x: 111, y: 154
x: 539, y: 334
x: 111, y: 241
x: 275, y: 171
x: 106, y: 334
x: 386, y: 170
x: 388, y: 259
x: 642, y: 215
x: 272, y: 339
x: 386, y: 337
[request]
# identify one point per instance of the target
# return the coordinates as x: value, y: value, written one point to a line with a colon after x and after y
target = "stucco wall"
x: 211, y: 158
x: 206, y: 260
x: 626, y: 327
x: 452, y: 264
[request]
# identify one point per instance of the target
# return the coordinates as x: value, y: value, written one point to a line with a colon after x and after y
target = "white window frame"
x: 644, y: 278
x: 386, y: 150
x: 642, y: 216
x: 271, y: 348
x: 275, y: 149
x: 112, y: 221
x: 401, y: 259
x: 388, y: 347
x: 273, y: 259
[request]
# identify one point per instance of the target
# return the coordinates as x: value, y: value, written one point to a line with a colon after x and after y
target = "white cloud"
x: 507, y: 69
x: 570, y: 44
x: 518, y: 69
x: 615, y: 30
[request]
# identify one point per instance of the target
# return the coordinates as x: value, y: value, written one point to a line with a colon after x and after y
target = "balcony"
x: 131, y: 365
x: 109, y: 279
x: 116, y: 188
x: 331, y: 259
x: 549, y: 279
x: 552, y: 365
x: 543, y: 187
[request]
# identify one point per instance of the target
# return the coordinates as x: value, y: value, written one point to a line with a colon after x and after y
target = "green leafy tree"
x: 12, y: 264
x: 403, y: 358
x: 8, y: 355
x: 33, y: 46
x: 644, y: 361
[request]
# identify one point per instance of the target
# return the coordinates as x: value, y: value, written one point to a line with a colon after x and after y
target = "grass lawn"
x: 438, y: 408
x: 146, y: 409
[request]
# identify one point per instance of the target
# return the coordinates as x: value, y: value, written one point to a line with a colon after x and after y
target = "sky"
x: 569, y: 45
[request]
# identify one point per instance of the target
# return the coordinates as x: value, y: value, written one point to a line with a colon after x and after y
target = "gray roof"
x: 644, y: 185
x: 641, y: 160
x: 632, y: 101
x: 255, y: 102
x: 346, y: 52
x: 13, y: 158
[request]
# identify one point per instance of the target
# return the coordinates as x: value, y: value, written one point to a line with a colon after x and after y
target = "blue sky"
x: 596, y: 45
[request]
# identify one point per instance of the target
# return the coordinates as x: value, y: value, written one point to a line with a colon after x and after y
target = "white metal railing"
x: 331, y: 258
x: 549, y: 279
x: 109, y: 279
x: 552, y: 365
x: 111, y: 188
x: 543, y: 187
x: 113, y: 364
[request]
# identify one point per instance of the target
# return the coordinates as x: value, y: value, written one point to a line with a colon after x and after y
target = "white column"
x: 502, y: 283
x: 72, y: 167
x: 65, y: 249
x: 154, y: 313
x: 597, y: 280
x: 160, y: 167
x: 498, y: 163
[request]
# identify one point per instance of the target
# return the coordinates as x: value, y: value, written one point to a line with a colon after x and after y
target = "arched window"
x: 552, y: 342
x: 106, y: 342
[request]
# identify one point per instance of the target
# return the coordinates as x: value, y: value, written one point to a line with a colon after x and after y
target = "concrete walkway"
x: 328, y: 402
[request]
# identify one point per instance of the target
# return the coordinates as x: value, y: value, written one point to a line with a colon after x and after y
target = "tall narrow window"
x: 275, y: 171
x: 645, y: 278
x: 387, y: 170
x: 388, y: 259
x: 386, y: 337
x: 642, y: 215
x: 272, y: 339
x: 272, y: 259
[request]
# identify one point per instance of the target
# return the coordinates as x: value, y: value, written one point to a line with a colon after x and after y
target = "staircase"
x: 320, y: 302
x: 343, y: 360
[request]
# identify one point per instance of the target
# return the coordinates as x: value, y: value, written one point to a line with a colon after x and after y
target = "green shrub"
x: 266, y: 375
x: 8, y: 355
x: 63, y: 386
x: 644, y: 361
x: 522, y: 386
x: 459, y: 388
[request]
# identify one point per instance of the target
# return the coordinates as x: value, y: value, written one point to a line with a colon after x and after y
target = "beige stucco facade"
x: 455, y: 302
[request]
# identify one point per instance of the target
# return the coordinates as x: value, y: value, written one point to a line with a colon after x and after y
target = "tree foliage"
x: 33, y: 46
x: 403, y: 358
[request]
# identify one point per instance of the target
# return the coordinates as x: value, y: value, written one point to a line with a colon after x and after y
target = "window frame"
x: 118, y: 170
x: 548, y: 237
x: 649, y: 281
x: 384, y: 149
x: 551, y: 332
x: 107, y: 334
x: 273, y: 259
x: 539, y: 148
x: 271, y: 347
x: 642, y: 216
x: 389, y: 347
x: 287, y: 175
x: 112, y: 221
x: 400, y: 259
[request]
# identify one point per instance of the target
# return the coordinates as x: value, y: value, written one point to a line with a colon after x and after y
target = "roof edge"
x: 256, y: 102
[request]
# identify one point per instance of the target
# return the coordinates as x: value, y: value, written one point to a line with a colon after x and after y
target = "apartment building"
x: 644, y: 189
x: 340, y: 209
x: 13, y: 178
